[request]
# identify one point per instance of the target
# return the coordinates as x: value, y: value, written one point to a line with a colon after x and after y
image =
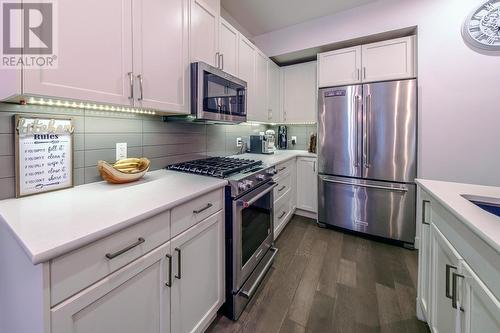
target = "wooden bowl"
x: 123, y: 171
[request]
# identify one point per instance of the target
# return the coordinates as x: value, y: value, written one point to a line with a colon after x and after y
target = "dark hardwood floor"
x: 328, y: 281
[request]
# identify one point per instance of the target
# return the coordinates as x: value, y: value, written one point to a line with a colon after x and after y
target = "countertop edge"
x: 494, y: 245
x: 45, y: 256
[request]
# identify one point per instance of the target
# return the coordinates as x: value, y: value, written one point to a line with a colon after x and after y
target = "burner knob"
x: 260, y: 177
x: 242, y: 186
x: 248, y: 183
x: 272, y: 172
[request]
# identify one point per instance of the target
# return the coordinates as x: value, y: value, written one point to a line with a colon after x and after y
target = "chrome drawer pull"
x: 140, y: 240
x: 281, y: 169
x: 447, y: 292
x: 281, y: 188
x: 454, y: 295
x: 202, y: 209
x: 424, y: 210
x: 282, y: 214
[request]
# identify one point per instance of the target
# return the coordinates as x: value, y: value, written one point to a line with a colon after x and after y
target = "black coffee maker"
x: 282, y: 137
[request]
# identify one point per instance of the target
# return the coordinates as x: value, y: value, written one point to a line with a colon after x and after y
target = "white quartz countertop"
x: 482, y: 223
x: 51, y: 224
x: 278, y: 157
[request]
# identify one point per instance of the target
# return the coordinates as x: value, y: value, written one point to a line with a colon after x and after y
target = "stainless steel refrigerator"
x: 367, y: 139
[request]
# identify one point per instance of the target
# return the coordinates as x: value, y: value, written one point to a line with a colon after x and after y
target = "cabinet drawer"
x: 76, y: 270
x: 284, y: 167
x: 282, y: 211
x: 284, y: 185
x: 194, y: 211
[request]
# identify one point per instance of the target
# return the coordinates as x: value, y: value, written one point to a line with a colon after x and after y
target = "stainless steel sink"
x: 491, y: 205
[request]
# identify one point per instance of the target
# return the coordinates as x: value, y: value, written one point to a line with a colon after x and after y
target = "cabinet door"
x: 444, y: 262
x: 133, y: 299
x: 198, y: 286
x: 161, y: 65
x: 94, y: 54
x: 423, y: 223
x: 307, y: 184
x: 339, y: 67
x: 204, y: 31
x: 273, y: 93
x: 246, y: 69
x: 260, y: 110
x: 389, y: 60
x: 228, y: 47
x: 481, y: 308
x: 299, y: 93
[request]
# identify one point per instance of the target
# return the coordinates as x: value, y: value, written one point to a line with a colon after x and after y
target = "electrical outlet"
x: 294, y: 140
x: 239, y: 142
x: 121, y: 151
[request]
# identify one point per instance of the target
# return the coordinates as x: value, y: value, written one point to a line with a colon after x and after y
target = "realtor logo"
x: 28, y: 34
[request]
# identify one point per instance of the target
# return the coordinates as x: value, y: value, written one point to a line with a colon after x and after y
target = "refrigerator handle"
x: 357, y: 103
x: 368, y: 115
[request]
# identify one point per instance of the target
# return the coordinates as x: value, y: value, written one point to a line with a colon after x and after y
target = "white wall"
x: 459, y: 89
x: 225, y: 14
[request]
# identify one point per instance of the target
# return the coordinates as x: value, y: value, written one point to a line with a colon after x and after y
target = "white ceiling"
x: 262, y: 16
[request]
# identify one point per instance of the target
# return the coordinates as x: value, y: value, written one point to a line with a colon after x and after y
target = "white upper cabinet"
x: 393, y: 59
x: 273, y: 92
x: 246, y: 69
x: 339, y: 67
x: 228, y: 47
x: 161, y: 65
x: 198, y: 269
x: 299, y: 87
x: 94, y: 54
x: 204, y: 31
x: 259, y: 110
x: 389, y: 60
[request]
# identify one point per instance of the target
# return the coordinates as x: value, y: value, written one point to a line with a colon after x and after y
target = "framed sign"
x: 44, y: 154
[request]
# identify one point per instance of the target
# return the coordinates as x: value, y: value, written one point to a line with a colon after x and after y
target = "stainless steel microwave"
x: 216, y: 95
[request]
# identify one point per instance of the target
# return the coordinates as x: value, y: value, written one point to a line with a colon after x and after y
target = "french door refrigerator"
x: 367, y: 139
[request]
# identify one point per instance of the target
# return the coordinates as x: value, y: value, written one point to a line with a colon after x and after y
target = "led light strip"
x: 88, y: 106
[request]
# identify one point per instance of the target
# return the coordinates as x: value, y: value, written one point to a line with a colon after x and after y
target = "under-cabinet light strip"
x: 88, y: 106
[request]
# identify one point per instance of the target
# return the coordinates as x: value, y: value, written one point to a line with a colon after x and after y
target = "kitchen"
x: 366, y: 124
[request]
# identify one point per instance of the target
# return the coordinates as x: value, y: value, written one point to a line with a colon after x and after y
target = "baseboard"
x: 306, y: 213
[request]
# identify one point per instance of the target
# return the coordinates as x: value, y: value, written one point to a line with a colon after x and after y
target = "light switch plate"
x: 294, y: 140
x: 121, y: 151
x: 239, y: 142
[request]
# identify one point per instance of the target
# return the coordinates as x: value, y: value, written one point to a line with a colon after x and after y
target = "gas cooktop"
x: 220, y: 167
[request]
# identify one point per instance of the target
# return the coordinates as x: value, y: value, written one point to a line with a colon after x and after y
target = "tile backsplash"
x: 302, y: 132
x: 97, y: 132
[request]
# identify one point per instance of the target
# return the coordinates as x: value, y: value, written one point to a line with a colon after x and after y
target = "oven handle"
x: 258, y: 196
x: 249, y: 293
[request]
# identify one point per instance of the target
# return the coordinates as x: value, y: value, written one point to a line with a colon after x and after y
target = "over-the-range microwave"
x: 216, y: 96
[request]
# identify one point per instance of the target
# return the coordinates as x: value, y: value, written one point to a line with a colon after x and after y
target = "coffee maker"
x: 282, y: 137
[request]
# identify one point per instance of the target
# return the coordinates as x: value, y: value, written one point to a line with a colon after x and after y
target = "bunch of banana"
x: 131, y: 165
x: 123, y: 171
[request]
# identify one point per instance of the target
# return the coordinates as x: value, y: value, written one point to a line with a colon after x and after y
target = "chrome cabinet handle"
x: 110, y: 256
x: 131, y: 79
x: 141, y: 82
x: 198, y: 211
x: 281, y: 216
x: 169, y: 283
x: 364, y: 72
x: 424, y: 210
x: 217, y: 60
x: 454, y: 298
x: 366, y: 185
x: 314, y: 166
x: 358, y: 73
x: 281, y: 188
x: 178, y: 275
x: 447, y: 291
x: 222, y: 61
x: 367, y: 129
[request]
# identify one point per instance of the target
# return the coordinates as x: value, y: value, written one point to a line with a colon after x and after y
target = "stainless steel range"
x: 249, y: 223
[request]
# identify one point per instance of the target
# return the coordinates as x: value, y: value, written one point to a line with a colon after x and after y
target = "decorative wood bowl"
x: 123, y: 171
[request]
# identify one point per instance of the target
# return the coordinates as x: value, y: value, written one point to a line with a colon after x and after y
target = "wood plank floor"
x: 327, y: 281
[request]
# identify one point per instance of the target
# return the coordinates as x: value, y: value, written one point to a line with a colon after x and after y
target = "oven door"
x: 217, y: 95
x: 253, y: 231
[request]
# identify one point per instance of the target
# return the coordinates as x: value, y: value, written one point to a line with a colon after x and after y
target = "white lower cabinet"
x: 307, y: 184
x: 444, y: 262
x: 198, y: 269
x: 133, y: 299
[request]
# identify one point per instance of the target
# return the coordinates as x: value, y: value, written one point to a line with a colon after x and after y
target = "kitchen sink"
x: 491, y: 205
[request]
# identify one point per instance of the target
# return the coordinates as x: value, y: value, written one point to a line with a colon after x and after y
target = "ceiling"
x: 262, y: 16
